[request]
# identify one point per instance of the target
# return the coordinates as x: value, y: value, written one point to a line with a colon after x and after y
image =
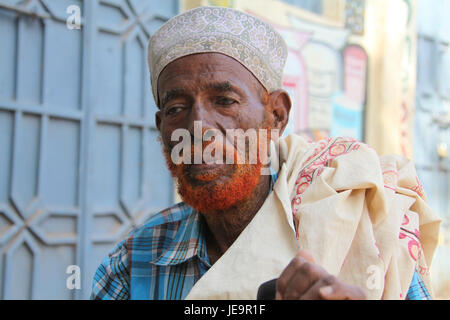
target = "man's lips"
x: 203, y: 167
x: 204, y: 173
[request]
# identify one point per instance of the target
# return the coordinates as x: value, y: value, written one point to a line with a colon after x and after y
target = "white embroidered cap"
x: 249, y: 40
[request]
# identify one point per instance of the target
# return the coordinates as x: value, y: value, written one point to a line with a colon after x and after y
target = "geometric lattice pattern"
x: 80, y: 164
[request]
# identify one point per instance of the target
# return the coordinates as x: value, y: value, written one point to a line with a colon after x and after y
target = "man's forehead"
x: 183, y: 88
x: 208, y: 71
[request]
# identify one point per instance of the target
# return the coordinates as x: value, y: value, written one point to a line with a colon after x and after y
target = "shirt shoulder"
x: 142, y: 244
x: 163, y: 224
x: 174, y: 215
x: 160, y: 229
x: 149, y: 240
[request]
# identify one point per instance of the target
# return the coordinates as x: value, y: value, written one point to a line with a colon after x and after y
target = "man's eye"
x: 225, y: 101
x: 174, y: 110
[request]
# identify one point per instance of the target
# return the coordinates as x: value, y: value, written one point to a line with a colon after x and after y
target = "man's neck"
x: 225, y: 226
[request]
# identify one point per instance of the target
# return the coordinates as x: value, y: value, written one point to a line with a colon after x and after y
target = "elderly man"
x: 332, y: 220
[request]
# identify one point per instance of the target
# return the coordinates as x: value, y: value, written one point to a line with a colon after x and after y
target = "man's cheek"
x: 168, y: 143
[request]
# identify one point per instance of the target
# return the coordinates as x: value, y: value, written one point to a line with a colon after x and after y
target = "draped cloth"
x: 363, y: 217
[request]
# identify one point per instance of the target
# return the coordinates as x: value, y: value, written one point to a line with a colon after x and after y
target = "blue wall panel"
x: 80, y: 164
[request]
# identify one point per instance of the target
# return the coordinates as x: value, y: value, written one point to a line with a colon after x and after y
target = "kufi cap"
x: 249, y: 40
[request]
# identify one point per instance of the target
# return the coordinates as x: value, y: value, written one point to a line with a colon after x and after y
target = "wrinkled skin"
x: 223, y: 94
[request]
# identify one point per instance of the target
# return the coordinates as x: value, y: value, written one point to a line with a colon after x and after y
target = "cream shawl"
x: 360, y: 215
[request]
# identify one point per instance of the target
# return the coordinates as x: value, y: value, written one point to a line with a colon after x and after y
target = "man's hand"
x: 304, y: 280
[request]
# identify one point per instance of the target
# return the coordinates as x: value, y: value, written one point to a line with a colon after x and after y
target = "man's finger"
x: 325, y: 284
x: 341, y: 292
x: 305, y: 278
x: 287, y: 274
x: 305, y: 254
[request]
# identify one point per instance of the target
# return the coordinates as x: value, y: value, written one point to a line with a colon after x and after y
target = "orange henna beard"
x: 212, y: 197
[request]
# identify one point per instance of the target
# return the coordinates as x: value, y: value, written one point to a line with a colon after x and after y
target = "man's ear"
x: 158, y: 120
x: 280, y: 107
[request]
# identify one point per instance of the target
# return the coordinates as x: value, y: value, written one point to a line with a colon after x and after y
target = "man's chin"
x: 210, y: 188
x: 212, y: 191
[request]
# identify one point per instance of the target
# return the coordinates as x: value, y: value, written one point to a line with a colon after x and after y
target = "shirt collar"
x: 189, y: 240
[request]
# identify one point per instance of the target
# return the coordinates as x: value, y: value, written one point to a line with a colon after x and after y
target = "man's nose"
x: 201, y: 118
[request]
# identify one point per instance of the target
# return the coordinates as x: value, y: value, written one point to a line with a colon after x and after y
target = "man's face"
x: 218, y: 91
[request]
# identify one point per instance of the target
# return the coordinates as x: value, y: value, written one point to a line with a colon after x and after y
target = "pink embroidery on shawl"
x: 418, y: 188
x: 414, y: 247
x: 390, y: 178
x: 339, y: 147
x: 378, y: 250
x: 405, y: 220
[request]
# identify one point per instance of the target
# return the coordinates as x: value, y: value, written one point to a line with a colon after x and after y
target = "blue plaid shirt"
x: 164, y: 258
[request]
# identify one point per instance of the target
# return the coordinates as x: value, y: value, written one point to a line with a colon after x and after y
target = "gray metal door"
x: 80, y: 163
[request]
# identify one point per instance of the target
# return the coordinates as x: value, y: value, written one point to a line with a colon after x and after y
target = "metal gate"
x: 80, y: 163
